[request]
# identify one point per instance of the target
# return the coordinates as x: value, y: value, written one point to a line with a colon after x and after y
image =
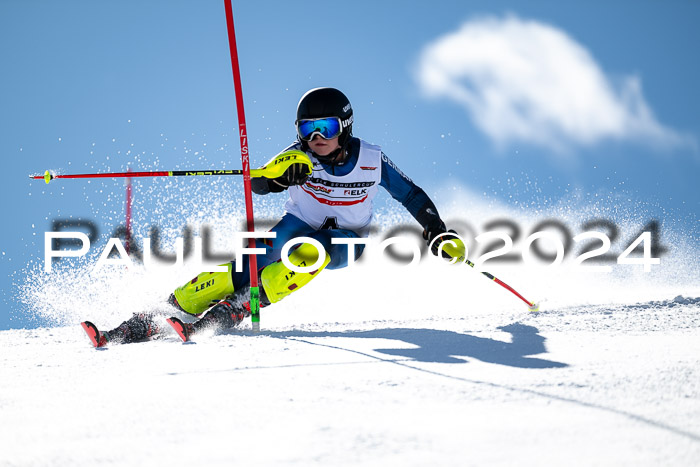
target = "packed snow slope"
x: 363, y: 383
x: 377, y: 364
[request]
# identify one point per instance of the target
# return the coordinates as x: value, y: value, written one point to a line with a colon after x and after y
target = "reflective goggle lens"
x: 328, y: 128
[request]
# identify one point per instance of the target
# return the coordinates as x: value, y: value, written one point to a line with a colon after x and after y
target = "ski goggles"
x: 327, y: 128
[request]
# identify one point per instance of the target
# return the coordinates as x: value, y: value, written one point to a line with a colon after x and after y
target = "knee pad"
x: 205, y: 291
x: 278, y: 280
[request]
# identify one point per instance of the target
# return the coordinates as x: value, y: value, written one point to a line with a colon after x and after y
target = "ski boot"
x: 138, y: 328
x: 226, y: 314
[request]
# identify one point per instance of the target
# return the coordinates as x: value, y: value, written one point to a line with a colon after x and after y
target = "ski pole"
x: 452, y: 249
x: 273, y: 169
x: 532, y: 306
x: 48, y: 176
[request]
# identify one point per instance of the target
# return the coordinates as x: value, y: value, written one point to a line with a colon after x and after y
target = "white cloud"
x: 527, y: 81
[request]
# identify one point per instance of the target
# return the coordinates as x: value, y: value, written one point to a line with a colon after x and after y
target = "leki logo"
x: 204, y: 285
x: 368, y: 168
x: 285, y: 159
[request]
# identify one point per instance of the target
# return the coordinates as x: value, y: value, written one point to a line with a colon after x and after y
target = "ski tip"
x: 534, y: 307
x: 179, y: 328
x: 97, y: 339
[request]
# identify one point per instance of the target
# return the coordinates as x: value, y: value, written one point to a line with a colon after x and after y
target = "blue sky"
x: 596, y: 96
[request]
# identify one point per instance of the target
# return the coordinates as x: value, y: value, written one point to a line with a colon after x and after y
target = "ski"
x: 182, y: 329
x: 96, y: 337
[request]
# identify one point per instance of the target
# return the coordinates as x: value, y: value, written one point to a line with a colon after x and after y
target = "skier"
x: 330, y: 189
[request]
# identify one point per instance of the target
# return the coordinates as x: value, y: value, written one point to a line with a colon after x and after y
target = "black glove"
x: 432, y: 231
x: 296, y: 174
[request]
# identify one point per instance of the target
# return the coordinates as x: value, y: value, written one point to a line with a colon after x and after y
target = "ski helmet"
x: 327, y: 102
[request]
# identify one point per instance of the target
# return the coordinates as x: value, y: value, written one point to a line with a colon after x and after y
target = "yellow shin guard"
x: 278, y: 280
x: 205, y: 290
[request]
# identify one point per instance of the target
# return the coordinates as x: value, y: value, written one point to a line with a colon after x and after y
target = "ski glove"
x: 296, y: 174
x: 449, y: 251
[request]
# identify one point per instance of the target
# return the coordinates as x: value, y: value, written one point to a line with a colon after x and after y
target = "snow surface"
x: 604, y: 385
x: 376, y: 364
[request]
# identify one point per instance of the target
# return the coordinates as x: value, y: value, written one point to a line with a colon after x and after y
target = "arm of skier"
x: 421, y: 207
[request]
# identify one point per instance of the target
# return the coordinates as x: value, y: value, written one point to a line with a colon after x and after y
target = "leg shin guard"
x: 204, y: 291
x: 278, y: 280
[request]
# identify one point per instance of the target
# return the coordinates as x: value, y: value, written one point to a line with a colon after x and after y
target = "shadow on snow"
x: 438, y: 346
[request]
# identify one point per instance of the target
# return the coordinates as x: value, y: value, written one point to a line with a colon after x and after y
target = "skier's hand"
x: 454, y: 248
x: 296, y: 174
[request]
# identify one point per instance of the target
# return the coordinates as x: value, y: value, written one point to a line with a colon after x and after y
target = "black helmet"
x: 327, y: 102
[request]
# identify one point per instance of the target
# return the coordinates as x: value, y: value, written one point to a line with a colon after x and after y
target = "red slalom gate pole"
x: 127, y: 235
x: 254, y: 290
